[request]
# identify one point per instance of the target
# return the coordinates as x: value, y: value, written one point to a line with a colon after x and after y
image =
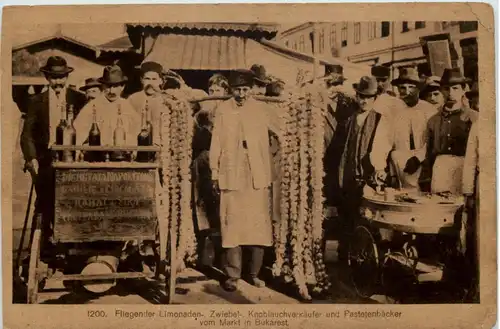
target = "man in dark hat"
x: 241, y: 172
x: 92, y: 88
x: 149, y: 99
x: 44, y: 113
x: 410, y: 122
x: 473, y: 97
x: 110, y: 108
x: 261, y: 80
x: 364, y: 158
x: 382, y: 74
x: 447, y: 133
x: 432, y: 92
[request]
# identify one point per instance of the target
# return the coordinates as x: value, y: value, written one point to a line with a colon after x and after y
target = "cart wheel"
x: 364, y: 262
x: 33, y: 268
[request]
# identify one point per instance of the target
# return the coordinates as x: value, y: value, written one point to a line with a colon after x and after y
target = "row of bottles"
x: 66, y: 135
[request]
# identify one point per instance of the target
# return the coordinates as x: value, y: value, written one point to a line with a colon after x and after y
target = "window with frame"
x: 468, y: 26
x: 405, y: 27
x: 333, y: 36
x: 321, y: 41
x: 295, y: 45
x: 419, y: 25
x: 287, y: 43
x: 357, y: 32
x: 302, y: 45
x: 385, y: 29
x: 343, y: 34
x: 372, y: 30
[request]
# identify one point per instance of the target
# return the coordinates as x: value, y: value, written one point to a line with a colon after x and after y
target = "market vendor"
x: 111, y: 110
x: 447, y: 133
x: 410, y: 123
x: 150, y: 98
x: 241, y: 170
x: 364, y: 156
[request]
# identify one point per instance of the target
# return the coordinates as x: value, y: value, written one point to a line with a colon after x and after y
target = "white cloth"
x: 389, y: 106
x: 107, y: 118
x: 447, y: 174
x: 408, y: 120
x: 56, y: 105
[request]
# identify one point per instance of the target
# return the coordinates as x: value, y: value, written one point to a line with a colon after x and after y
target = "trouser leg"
x: 257, y: 254
x: 232, y: 262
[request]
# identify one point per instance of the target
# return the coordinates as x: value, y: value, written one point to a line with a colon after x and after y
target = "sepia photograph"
x: 246, y: 162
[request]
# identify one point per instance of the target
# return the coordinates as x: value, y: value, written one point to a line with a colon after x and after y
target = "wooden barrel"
x: 101, y: 264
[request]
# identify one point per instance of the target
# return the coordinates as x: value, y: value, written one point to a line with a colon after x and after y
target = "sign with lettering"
x: 97, y: 204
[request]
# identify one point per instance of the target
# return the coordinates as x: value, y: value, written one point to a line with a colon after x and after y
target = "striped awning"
x: 199, y: 52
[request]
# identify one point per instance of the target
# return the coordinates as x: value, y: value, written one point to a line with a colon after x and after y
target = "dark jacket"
x: 36, y: 135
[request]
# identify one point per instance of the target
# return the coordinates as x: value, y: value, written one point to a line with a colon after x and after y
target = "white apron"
x: 245, y: 213
x: 398, y: 162
x: 447, y: 174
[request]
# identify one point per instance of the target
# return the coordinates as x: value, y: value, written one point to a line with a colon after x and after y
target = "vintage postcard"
x: 249, y: 166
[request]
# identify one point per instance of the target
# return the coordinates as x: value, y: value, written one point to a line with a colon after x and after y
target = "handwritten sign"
x: 95, y: 204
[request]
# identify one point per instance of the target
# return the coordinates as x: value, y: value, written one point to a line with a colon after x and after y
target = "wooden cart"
x: 387, y: 242
x: 99, y: 206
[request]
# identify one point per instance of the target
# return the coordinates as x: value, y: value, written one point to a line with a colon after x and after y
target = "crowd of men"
x: 422, y: 138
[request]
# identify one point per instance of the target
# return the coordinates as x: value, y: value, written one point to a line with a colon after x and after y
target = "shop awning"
x: 199, y: 52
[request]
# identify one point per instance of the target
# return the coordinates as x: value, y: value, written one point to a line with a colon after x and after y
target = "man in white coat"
x: 241, y: 170
x: 111, y: 109
x: 409, y: 130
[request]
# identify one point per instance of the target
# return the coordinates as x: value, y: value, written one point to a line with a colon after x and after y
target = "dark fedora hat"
x: 90, y: 83
x: 474, y: 91
x: 452, y: 77
x: 334, y: 73
x: 151, y: 67
x: 260, y: 75
x: 239, y: 78
x: 380, y: 71
x: 56, y: 65
x: 112, y: 75
x: 367, y: 86
x: 407, y: 75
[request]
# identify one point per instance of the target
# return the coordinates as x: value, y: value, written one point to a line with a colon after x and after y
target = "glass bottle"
x: 144, y: 138
x: 69, y: 137
x: 119, y: 137
x: 60, y: 129
x: 94, y: 138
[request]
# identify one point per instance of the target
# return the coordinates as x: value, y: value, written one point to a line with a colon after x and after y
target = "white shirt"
x: 414, y: 119
x: 56, y: 104
x: 155, y: 108
x: 107, y: 118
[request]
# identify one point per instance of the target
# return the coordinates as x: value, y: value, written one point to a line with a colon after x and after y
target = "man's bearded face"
x: 57, y: 82
x: 241, y: 94
x: 382, y: 84
x: 454, y: 95
x: 151, y: 83
x: 409, y: 93
x: 333, y: 88
x: 113, y: 92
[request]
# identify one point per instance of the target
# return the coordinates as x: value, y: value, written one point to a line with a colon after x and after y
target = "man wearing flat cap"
x: 92, y: 88
x: 410, y: 123
x: 150, y: 99
x: 44, y: 112
x: 241, y: 172
x: 110, y: 107
x: 431, y: 92
x: 447, y: 134
x: 364, y: 158
x: 383, y: 74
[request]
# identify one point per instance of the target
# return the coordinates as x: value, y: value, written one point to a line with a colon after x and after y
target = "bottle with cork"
x: 94, y: 139
x: 144, y: 138
x: 119, y: 138
x: 69, y: 137
x: 60, y: 128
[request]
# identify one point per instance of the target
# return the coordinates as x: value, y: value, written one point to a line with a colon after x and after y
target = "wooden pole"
x: 315, y: 51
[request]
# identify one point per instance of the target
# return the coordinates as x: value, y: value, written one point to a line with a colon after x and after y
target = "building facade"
x: 393, y: 44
